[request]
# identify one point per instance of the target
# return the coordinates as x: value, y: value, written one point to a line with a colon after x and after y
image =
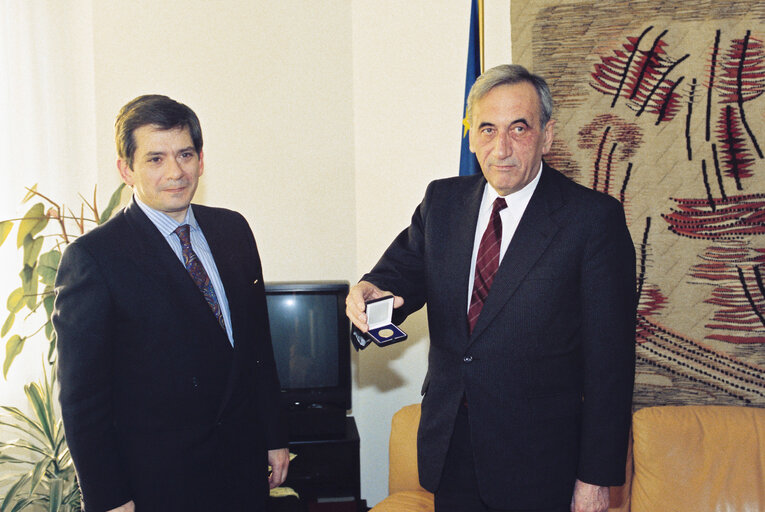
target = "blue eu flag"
x: 468, y: 162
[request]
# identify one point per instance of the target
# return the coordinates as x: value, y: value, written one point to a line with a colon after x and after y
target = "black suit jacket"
x: 158, y: 407
x: 549, y: 367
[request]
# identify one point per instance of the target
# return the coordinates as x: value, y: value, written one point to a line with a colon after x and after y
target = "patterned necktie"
x: 486, y: 262
x: 198, y: 273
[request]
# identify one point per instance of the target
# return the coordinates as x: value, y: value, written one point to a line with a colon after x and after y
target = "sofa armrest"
x: 402, y: 451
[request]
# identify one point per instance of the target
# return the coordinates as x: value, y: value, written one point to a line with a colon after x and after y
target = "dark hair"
x: 508, y: 74
x: 157, y: 110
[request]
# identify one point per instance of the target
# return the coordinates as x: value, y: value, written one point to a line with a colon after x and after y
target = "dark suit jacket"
x: 549, y: 367
x: 157, y: 405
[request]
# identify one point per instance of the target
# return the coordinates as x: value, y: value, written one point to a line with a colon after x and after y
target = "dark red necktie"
x: 198, y: 273
x: 486, y: 262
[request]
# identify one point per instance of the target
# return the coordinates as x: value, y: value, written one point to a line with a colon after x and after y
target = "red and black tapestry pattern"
x: 660, y: 104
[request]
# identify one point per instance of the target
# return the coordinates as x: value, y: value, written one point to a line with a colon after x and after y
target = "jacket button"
x: 467, y: 359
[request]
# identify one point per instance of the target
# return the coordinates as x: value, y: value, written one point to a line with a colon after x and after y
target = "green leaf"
x: 7, y: 324
x: 41, y: 406
x: 52, y: 348
x: 16, y: 426
x: 11, y: 494
x: 114, y: 201
x: 27, y: 425
x: 33, y: 222
x: 49, y: 301
x: 16, y: 300
x: 37, y: 449
x: 10, y: 460
x: 37, y: 474
x: 5, y: 229
x: 48, y: 266
x: 49, y: 330
x: 30, y: 193
x: 56, y: 495
x: 29, y: 281
x: 12, y: 349
x: 32, y: 248
x: 24, y: 503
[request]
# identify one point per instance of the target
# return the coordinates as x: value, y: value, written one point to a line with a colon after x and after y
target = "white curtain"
x: 47, y: 132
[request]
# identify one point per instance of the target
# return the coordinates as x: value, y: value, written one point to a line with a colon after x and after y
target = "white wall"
x: 323, y: 123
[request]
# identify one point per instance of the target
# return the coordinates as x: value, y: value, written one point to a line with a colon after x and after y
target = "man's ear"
x: 126, y: 173
x: 549, y: 135
x: 201, y: 163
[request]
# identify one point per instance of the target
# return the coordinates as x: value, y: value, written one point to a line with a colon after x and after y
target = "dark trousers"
x: 458, y: 488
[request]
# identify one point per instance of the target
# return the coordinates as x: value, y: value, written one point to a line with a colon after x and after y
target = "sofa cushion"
x: 694, y: 458
x: 406, y: 501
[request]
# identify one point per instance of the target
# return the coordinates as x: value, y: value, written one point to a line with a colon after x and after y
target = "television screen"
x: 311, y: 340
x: 304, y: 332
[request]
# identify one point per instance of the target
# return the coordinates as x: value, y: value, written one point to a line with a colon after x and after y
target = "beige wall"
x: 271, y: 83
x: 408, y: 80
x: 323, y: 123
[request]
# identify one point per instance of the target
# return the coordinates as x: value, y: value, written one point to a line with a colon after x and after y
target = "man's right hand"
x: 355, y: 303
x: 127, y: 507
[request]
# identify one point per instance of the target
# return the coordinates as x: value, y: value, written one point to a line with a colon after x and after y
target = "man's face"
x: 506, y: 136
x: 166, y: 169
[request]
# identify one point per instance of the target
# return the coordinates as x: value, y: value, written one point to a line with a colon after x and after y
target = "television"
x: 311, y: 339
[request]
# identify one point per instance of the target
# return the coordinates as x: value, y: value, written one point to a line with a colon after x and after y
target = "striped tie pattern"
x: 198, y: 273
x: 487, y: 261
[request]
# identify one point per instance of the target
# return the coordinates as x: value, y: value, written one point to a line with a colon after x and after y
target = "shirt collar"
x: 521, y: 197
x: 164, y: 223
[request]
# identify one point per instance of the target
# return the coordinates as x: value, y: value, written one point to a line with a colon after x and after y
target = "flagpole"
x: 480, y: 33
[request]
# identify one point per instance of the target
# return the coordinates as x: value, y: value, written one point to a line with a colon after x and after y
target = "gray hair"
x: 508, y: 74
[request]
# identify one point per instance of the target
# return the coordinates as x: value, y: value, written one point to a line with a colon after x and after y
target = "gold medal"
x: 385, y: 333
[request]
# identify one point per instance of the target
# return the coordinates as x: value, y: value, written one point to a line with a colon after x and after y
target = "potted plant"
x: 37, y: 469
x: 41, y: 469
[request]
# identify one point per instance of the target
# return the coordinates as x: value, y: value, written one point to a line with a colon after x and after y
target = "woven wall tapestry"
x: 660, y: 104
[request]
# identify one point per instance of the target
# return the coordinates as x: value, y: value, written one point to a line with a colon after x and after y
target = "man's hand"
x: 589, y: 498
x: 355, y: 302
x: 279, y: 460
x: 127, y: 507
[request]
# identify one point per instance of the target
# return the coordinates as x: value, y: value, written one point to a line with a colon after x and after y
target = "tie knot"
x: 183, y: 234
x: 499, y: 205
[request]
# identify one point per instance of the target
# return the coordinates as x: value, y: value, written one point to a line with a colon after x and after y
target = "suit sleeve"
x: 401, y: 269
x: 609, y: 304
x: 82, y: 317
x: 267, y: 386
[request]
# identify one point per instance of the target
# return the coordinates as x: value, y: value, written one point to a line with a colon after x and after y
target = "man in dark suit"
x: 529, y: 280
x: 169, y: 392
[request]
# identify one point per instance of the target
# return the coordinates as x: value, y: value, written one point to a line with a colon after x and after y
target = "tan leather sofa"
x: 682, y: 459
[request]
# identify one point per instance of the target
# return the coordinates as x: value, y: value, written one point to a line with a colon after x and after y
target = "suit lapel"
x: 462, y: 236
x: 154, y: 256
x: 532, y: 237
x: 220, y: 240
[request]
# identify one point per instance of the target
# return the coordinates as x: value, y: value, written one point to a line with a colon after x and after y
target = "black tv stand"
x: 316, y: 421
x: 327, y: 467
